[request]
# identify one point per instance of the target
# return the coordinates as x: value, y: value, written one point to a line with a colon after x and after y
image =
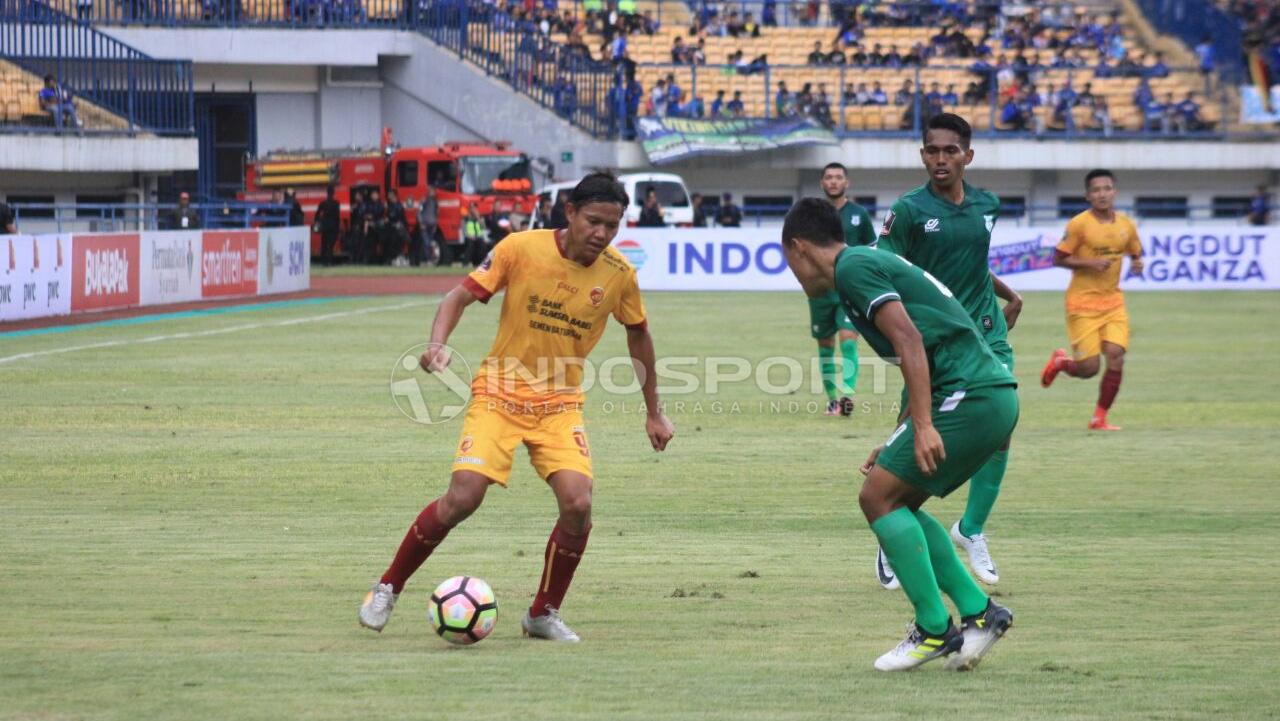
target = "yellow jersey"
x: 1087, y: 237
x: 554, y: 312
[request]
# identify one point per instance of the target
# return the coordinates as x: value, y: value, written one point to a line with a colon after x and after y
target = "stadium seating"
x: 20, y: 105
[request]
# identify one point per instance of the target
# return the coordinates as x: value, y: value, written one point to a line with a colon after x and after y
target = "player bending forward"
x: 962, y: 407
x: 528, y: 389
x: 1094, y: 247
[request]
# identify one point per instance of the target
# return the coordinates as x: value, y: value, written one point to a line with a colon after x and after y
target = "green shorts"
x: 973, y: 425
x: 826, y: 316
x: 1003, y: 352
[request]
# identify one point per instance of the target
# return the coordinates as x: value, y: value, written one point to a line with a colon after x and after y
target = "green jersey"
x: 859, y: 228
x: 951, y: 242
x: 959, y: 358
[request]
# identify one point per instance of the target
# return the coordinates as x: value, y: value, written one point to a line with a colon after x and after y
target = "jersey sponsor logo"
x: 561, y: 285
x: 888, y: 223
x: 533, y: 303
x: 597, y: 296
x: 932, y: 225
x: 990, y: 221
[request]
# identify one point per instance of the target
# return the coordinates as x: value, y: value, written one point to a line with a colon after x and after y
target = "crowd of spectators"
x: 1260, y: 24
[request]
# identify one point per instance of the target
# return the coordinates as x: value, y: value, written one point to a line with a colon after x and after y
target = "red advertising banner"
x: 229, y: 263
x: 104, y: 271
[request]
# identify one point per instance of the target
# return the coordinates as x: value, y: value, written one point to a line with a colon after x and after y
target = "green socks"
x: 953, y: 578
x: 827, y: 359
x: 903, y: 540
x: 849, y: 361
x: 984, y: 488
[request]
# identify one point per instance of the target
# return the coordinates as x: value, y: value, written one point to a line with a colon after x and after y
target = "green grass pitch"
x: 187, y: 525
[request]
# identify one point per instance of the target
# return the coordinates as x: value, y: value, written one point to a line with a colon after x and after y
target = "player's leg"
x: 848, y: 363
x: 487, y: 443
x: 560, y: 452
x: 822, y: 327
x: 889, y: 505
x: 1109, y: 387
x: 1085, y: 332
x: 984, y: 489
x: 465, y: 494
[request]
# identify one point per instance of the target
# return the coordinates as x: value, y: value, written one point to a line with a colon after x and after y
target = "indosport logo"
x: 633, y: 251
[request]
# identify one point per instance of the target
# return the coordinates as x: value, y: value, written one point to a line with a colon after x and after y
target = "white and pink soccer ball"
x: 463, y: 610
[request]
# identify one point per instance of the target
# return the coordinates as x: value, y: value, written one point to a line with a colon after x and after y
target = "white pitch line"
x: 202, y: 333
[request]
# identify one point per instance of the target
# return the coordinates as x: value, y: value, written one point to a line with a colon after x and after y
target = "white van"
x: 677, y: 210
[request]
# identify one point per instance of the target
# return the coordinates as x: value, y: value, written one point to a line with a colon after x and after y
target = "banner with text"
x: 36, y: 277
x: 667, y: 140
x: 170, y: 267
x: 229, y: 263
x: 104, y: 271
x: 284, y: 260
x: 1233, y: 257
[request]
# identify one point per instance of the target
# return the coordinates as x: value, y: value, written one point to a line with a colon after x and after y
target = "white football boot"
x: 549, y: 626
x: 378, y: 605
x: 979, y: 557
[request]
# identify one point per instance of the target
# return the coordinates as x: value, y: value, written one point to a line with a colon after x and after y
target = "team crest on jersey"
x: 990, y: 220
x: 932, y: 225
x: 597, y: 295
x: 855, y: 221
x: 888, y: 223
x: 466, y: 444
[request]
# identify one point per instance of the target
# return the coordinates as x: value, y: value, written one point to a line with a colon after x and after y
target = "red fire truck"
x: 491, y: 175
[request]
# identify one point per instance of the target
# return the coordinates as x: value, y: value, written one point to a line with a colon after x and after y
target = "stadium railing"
x: 1195, y: 20
x: 156, y: 96
x: 130, y: 217
x: 761, y: 215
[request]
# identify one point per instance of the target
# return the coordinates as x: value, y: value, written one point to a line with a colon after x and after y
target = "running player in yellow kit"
x: 561, y: 287
x: 1093, y: 248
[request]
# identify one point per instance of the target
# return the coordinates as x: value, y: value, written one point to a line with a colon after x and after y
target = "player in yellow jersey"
x: 1093, y: 248
x: 561, y: 287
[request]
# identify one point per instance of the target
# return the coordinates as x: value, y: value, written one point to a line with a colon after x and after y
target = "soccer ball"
x: 463, y: 610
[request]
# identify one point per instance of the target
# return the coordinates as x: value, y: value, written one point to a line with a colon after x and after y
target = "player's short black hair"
x: 1098, y: 173
x: 599, y: 187
x: 815, y: 220
x: 952, y: 122
x: 834, y: 166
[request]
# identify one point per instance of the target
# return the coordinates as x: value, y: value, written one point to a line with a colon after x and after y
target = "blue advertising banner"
x: 667, y: 140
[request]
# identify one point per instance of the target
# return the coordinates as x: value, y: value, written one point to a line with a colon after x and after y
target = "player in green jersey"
x: 963, y: 406
x: 944, y: 227
x: 826, y: 317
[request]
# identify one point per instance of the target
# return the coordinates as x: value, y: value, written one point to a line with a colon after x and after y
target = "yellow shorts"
x: 555, y: 436
x: 1088, y: 331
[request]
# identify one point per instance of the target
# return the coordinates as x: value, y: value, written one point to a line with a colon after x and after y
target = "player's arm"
x: 436, y: 357
x: 1012, y: 300
x: 895, y: 234
x: 892, y: 320
x: 643, y: 359
x: 1134, y: 251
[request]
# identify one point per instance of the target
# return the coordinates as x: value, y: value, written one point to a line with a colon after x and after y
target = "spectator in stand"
x: 635, y: 94
x: 1086, y: 96
x: 396, y: 234
x: 1157, y: 69
x: 1204, y: 53
x: 1102, y: 115
x: 679, y: 53
x: 950, y: 98
x: 1012, y: 115
x: 475, y: 236
x: 736, y: 108
x: 836, y: 56
x: 658, y: 99
x: 769, y: 15
x: 735, y: 27
x: 57, y: 102
x: 1142, y: 94
x: 8, y: 223
x: 750, y: 28
x: 1103, y: 69
x: 892, y: 59
x: 905, y: 95
x: 1155, y: 116
x: 730, y: 215
x: 875, y: 58
x: 784, y: 105
x: 973, y: 95
x: 817, y: 57
x: 718, y: 105
x: 1188, y: 114
x: 695, y: 108
x: 675, y: 96
x: 651, y: 211
x: 878, y: 95
x: 296, y: 216
x: 699, y: 213
x: 821, y: 109
x: 698, y: 55
x: 934, y: 96
x: 918, y: 56
x: 1259, y: 207
x: 184, y: 217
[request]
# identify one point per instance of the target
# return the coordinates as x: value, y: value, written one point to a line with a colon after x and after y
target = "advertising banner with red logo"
x: 104, y: 271
x: 35, y: 276
x: 229, y: 263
